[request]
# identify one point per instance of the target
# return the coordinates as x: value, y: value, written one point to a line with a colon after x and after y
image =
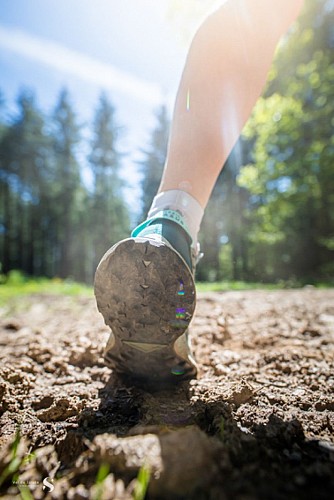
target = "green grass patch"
x: 225, y: 286
x: 12, y: 468
x: 17, y: 285
x: 142, y: 483
x: 102, y: 474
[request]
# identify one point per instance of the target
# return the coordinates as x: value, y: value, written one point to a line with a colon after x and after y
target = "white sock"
x: 183, y: 202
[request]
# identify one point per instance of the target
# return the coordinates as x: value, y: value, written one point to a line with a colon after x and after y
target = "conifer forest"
x: 271, y: 214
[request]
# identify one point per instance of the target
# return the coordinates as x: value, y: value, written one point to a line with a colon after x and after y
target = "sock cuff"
x: 182, y: 202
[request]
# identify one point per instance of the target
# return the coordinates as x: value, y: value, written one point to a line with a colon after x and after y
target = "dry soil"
x: 258, y: 423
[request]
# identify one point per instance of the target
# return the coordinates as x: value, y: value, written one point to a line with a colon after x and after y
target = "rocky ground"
x: 258, y: 423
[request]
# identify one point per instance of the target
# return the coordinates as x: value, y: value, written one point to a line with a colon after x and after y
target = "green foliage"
x: 102, y: 474
x: 290, y: 175
x: 25, y: 493
x: 66, y: 187
x: 142, y: 483
x: 275, y: 180
x: 24, y: 171
x: 15, y: 461
x: 11, y: 471
x: 276, y: 217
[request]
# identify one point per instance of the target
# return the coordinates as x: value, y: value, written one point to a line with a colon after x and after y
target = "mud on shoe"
x: 145, y: 290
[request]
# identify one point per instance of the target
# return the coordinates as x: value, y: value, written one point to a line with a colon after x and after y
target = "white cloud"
x: 80, y: 65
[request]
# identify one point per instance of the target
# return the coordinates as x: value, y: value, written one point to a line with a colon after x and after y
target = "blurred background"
x: 87, y: 91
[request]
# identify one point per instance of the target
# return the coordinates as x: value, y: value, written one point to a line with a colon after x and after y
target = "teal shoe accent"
x: 170, y: 225
x: 171, y: 215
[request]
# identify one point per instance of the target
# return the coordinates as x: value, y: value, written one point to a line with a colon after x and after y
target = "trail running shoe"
x: 145, y: 290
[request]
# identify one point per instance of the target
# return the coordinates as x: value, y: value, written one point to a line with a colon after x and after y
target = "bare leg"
x: 144, y: 285
x: 225, y: 73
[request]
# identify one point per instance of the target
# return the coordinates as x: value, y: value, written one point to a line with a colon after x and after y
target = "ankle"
x: 180, y: 202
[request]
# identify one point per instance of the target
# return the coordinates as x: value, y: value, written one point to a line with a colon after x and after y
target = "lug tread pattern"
x: 146, y: 294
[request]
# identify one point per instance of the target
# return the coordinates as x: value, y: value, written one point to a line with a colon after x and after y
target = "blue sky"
x: 129, y: 48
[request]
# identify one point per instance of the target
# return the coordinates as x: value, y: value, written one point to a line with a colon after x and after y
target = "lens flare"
x: 188, y: 101
x: 177, y: 370
x: 181, y: 289
x: 180, y: 313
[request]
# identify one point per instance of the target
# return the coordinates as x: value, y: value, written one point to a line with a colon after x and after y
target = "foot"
x: 145, y: 290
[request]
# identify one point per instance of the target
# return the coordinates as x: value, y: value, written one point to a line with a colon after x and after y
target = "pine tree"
x: 154, y: 160
x: 66, y: 185
x: 25, y: 152
x: 3, y: 125
x: 4, y: 190
x: 109, y: 216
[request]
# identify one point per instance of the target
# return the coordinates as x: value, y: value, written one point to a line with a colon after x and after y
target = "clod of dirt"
x: 190, y: 461
x: 241, y: 393
x: 281, y: 433
x: 87, y: 355
x: 3, y: 388
x: 127, y: 455
x: 176, y: 459
x: 61, y: 408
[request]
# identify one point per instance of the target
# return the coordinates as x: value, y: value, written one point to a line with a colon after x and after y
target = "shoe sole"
x: 146, y: 294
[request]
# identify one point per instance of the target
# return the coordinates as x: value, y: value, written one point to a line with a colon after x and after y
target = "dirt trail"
x: 258, y: 423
